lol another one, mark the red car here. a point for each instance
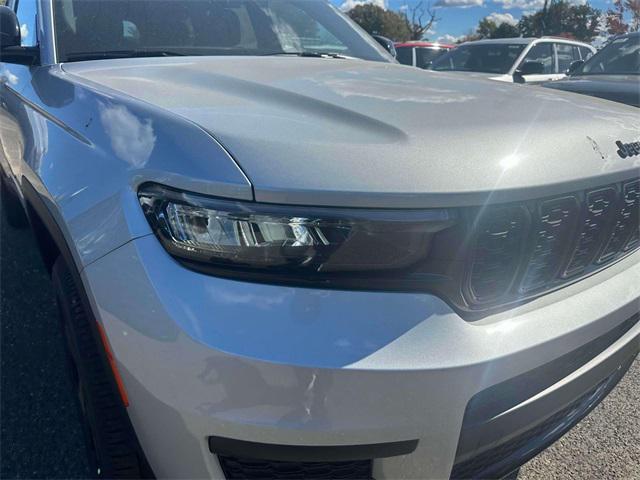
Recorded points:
(420, 54)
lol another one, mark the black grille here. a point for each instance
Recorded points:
(494, 264)
(555, 225)
(244, 468)
(600, 208)
(522, 250)
(624, 236)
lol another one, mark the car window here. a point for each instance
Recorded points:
(487, 58)
(214, 27)
(586, 53)
(26, 12)
(542, 53)
(567, 54)
(620, 57)
(404, 55)
(426, 55)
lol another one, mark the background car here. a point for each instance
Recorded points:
(420, 54)
(518, 60)
(612, 73)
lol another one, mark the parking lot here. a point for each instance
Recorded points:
(42, 435)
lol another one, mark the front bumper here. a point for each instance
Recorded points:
(202, 356)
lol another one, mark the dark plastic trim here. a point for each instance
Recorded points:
(307, 453)
(499, 398)
(493, 463)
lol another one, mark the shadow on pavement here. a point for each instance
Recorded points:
(41, 434)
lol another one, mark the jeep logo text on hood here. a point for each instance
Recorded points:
(628, 149)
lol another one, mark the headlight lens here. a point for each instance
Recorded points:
(317, 241)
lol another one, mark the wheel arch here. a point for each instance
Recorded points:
(49, 237)
(53, 245)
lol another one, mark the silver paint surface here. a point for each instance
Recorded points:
(324, 367)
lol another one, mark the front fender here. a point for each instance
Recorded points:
(87, 149)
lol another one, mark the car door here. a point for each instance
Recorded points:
(566, 55)
(14, 78)
(586, 53)
(542, 52)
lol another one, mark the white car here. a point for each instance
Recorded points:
(521, 60)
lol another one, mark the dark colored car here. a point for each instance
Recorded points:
(420, 54)
(613, 73)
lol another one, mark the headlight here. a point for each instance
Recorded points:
(320, 243)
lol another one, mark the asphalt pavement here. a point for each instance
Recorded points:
(42, 436)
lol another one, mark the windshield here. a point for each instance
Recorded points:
(404, 55)
(424, 56)
(87, 29)
(486, 58)
(620, 57)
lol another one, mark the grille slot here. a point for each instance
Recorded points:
(556, 223)
(632, 199)
(496, 252)
(625, 231)
(244, 468)
(600, 206)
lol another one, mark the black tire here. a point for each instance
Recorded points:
(113, 449)
(11, 206)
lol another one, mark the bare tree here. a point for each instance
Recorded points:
(543, 22)
(420, 18)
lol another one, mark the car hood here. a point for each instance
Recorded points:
(350, 132)
(619, 88)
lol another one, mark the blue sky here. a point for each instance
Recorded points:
(458, 16)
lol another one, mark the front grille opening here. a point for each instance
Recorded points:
(625, 231)
(552, 236)
(600, 207)
(237, 468)
(496, 253)
(522, 250)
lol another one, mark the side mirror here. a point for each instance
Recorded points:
(527, 68)
(10, 49)
(575, 66)
(532, 68)
(386, 44)
(9, 28)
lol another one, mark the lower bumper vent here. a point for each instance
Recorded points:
(244, 468)
(501, 460)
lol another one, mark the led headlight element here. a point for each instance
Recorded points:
(244, 235)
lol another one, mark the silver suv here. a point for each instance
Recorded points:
(279, 254)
